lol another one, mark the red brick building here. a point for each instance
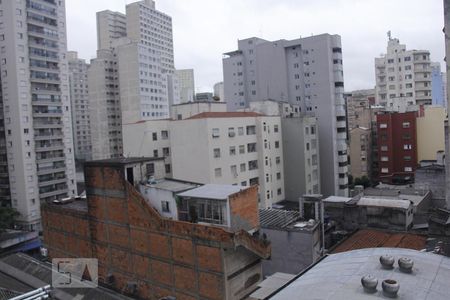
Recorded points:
(145, 255)
(397, 147)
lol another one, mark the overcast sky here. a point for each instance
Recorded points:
(204, 29)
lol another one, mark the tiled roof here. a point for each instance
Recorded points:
(228, 114)
(370, 238)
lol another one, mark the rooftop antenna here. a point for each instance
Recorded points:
(389, 35)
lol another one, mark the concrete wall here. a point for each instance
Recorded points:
(292, 250)
(184, 111)
(430, 133)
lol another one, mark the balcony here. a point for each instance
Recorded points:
(44, 137)
(341, 136)
(342, 158)
(53, 193)
(341, 124)
(51, 182)
(48, 114)
(51, 147)
(50, 170)
(343, 170)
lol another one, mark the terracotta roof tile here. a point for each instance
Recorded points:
(371, 238)
(228, 114)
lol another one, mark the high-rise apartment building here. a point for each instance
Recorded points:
(79, 99)
(111, 25)
(133, 78)
(307, 72)
(36, 106)
(438, 84)
(403, 77)
(186, 84)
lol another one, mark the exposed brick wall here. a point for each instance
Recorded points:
(244, 209)
(134, 244)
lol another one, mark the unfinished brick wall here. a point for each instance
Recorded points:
(244, 209)
(134, 244)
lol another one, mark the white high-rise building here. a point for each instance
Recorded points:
(219, 92)
(79, 100)
(35, 106)
(111, 25)
(139, 82)
(187, 85)
(403, 77)
(306, 72)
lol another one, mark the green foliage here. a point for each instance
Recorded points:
(364, 181)
(7, 217)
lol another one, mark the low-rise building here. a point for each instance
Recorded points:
(144, 255)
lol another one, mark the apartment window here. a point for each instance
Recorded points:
(407, 67)
(240, 130)
(215, 133)
(254, 181)
(406, 124)
(232, 150)
(267, 177)
(277, 144)
(150, 168)
(216, 152)
(241, 149)
(407, 147)
(277, 160)
(231, 132)
(391, 78)
(407, 158)
(165, 206)
(268, 194)
(408, 169)
(384, 170)
(233, 170)
(383, 125)
(408, 85)
(166, 151)
(406, 136)
(218, 172)
(155, 153)
(244, 183)
(154, 136)
(251, 147)
(251, 130)
(275, 128)
(307, 146)
(278, 176)
(407, 58)
(384, 148)
(168, 168)
(164, 134)
(390, 61)
(252, 165)
(26, 131)
(384, 158)
(313, 130)
(242, 167)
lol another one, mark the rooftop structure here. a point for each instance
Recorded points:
(338, 277)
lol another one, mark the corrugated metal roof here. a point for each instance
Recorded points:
(277, 218)
(213, 191)
(337, 199)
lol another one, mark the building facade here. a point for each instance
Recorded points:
(360, 108)
(219, 91)
(403, 77)
(306, 72)
(111, 25)
(36, 107)
(186, 85)
(79, 99)
(397, 147)
(430, 132)
(438, 91)
(360, 145)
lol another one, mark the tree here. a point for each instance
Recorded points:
(7, 218)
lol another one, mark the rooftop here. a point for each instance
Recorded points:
(371, 238)
(337, 199)
(228, 114)
(338, 276)
(213, 191)
(368, 201)
(173, 185)
(121, 161)
(277, 218)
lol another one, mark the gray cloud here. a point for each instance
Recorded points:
(204, 29)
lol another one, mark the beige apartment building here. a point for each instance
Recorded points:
(430, 132)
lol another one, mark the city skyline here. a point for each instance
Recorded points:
(234, 20)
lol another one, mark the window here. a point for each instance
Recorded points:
(384, 170)
(407, 58)
(407, 158)
(307, 146)
(277, 144)
(155, 153)
(154, 136)
(232, 150)
(278, 176)
(268, 194)
(216, 152)
(251, 130)
(168, 168)
(241, 149)
(242, 167)
(166, 151)
(231, 132)
(384, 148)
(383, 125)
(406, 136)
(164, 134)
(313, 130)
(233, 170)
(218, 172)
(390, 61)
(384, 158)
(406, 124)
(408, 169)
(244, 183)
(251, 147)
(150, 169)
(407, 147)
(275, 128)
(254, 181)
(215, 133)
(277, 160)
(253, 165)
(165, 206)
(240, 130)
